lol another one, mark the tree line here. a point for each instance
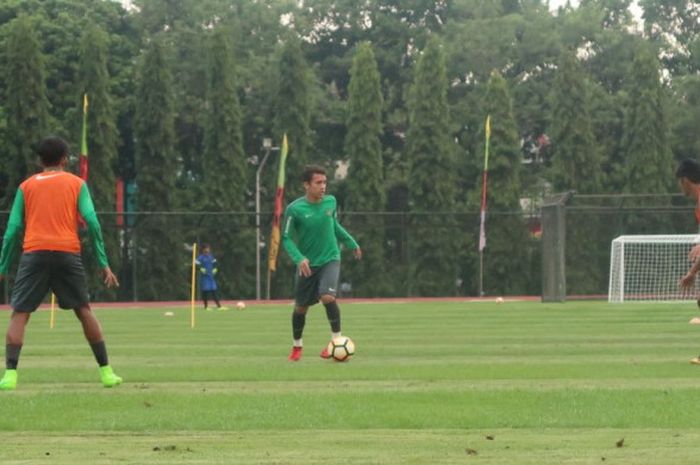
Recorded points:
(592, 99)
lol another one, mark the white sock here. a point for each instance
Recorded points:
(334, 335)
(298, 343)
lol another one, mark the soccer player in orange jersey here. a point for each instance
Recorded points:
(688, 174)
(47, 207)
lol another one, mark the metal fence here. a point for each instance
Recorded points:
(579, 230)
(570, 257)
(232, 236)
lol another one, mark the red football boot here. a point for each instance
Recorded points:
(325, 354)
(295, 354)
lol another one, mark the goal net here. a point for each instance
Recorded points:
(649, 268)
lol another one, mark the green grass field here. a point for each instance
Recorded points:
(432, 383)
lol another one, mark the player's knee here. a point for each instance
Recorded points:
(327, 299)
(301, 310)
(82, 312)
(20, 317)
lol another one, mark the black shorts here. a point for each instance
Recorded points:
(323, 281)
(44, 271)
(209, 294)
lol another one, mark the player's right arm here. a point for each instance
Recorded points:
(198, 262)
(288, 234)
(13, 233)
(688, 281)
(694, 253)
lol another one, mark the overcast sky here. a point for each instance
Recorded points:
(636, 10)
(553, 4)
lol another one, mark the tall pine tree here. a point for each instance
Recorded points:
(102, 138)
(157, 251)
(224, 158)
(293, 109)
(504, 162)
(686, 144)
(648, 164)
(576, 165)
(576, 162)
(431, 157)
(26, 102)
(507, 267)
(292, 116)
(365, 181)
(223, 182)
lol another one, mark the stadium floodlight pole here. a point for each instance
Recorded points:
(267, 145)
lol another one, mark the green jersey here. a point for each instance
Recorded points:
(311, 230)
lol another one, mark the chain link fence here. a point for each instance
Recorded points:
(526, 254)
(579, 230)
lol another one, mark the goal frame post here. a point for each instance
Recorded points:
(663, 286)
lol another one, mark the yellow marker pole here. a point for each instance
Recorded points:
(194, 282)
(52, 319)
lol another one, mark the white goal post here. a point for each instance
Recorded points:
(649, 268)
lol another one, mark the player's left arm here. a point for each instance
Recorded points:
(344, 236)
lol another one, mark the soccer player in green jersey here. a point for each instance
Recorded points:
(310, 237)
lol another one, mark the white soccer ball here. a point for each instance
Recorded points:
(499, 300)
(341, 348)
(240, 305)
(168, 314)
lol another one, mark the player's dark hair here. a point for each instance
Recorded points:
(689, 169)
(310, 170)
(52, 150)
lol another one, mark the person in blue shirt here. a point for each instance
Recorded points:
(208, 268)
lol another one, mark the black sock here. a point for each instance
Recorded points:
(216, 299)
(298, 322)
(12, 356)
(333, 314)
(206, 303)
(100, 351)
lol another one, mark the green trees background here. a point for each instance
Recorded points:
(365, 187)
(390, 96)
(430, 154)
(25, 104)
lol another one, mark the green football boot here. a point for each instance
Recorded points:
(9, 381)
(108, 378)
